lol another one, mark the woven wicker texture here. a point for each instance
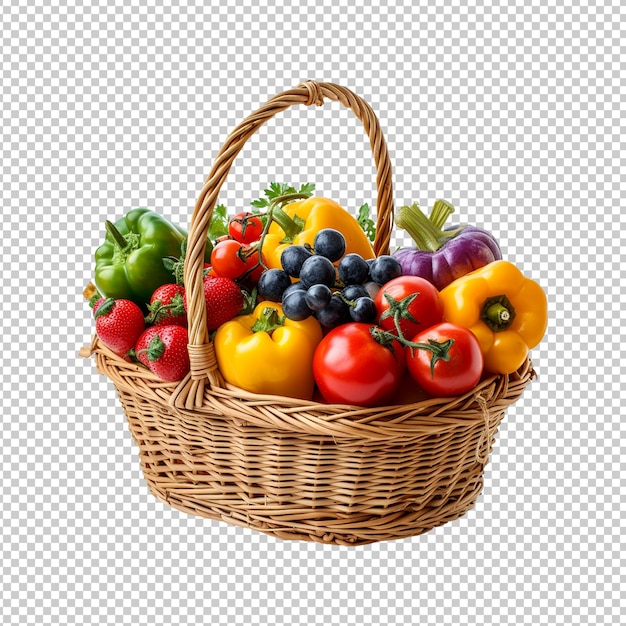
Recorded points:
(296, 469)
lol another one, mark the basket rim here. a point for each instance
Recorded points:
(491, 396)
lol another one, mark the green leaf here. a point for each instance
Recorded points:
(278, 189)
(218, 227)
(367, 224)
(275, 190)
(249, 301)
(177, 265)
(169, 262)
(308, 189)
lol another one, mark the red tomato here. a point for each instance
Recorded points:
(232, 259)
(351, 366)
(245, 227)
(452, 366)
(411, 302)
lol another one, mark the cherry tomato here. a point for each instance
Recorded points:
(452, 366)
(232, 259)
(410, 302)
(353, 364)
(245, 227)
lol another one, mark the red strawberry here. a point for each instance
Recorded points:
(224, 300)
(163, 349)
(118, 324)
(167, 306)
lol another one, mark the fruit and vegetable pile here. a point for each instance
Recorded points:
(298, 305)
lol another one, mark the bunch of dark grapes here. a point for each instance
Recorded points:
(333, 294)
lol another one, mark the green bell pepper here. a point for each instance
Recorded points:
(129, 264)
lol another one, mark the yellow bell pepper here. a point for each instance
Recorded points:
(313, 214)
(506, 311)
(264, 352)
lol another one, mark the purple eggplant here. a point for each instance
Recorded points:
(442, 255)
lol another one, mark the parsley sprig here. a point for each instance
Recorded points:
(278, 190)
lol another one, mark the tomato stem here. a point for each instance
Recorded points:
(245, 220)
(399, 310)
(440, 350)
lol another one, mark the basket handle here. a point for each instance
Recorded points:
(201, 352)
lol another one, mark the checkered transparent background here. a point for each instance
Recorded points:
(510, 110)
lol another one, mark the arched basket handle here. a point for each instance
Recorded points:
(201, 353)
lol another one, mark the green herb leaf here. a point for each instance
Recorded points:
(367, 224)
(261, 203)
(276, 190)
(218, 227)
(249, 301)
(307, 188)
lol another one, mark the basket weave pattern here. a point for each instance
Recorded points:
(297, 469)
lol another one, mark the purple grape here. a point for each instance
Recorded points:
(364, 310)
(353, 269)
(334, 314)
(330, 243)
(295, 306)
(385, 268)
(318, 296)
(272, 284)
(318, 270)
(292, 259)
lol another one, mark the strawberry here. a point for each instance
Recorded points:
(118, 324)
(163, 349)
(167, 306)
(224, 300)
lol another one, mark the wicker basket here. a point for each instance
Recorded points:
(297, 469)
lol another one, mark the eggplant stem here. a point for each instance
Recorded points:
(427, 232)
